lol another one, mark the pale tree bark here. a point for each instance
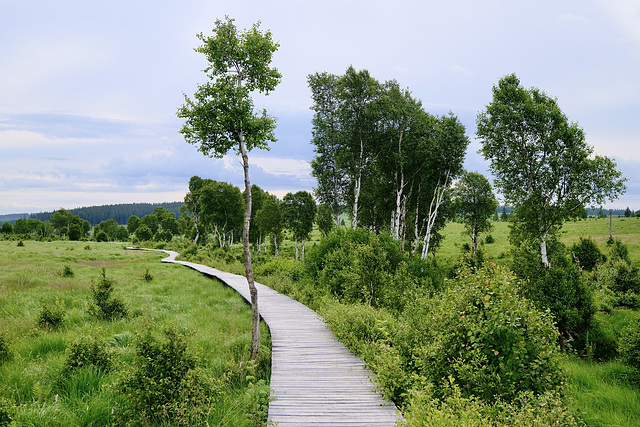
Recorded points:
(543, 252)
(275, 244)
(436, 201)
(397, 213)
(356, 190)
(255, 314)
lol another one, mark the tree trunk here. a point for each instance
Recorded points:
(296, 239)
(543, 252)
(474, 238)
(356, 190)
(195, 224)
(436, 201)
(302, 250)
(255, 319)
(275, 244)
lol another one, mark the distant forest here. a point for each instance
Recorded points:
(120, 212)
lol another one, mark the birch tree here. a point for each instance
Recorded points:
(541, 162)
(221, 116)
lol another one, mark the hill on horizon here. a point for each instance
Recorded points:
(96, 214)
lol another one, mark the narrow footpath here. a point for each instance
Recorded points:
(315, 380)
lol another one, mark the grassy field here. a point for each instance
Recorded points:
(625, 229)
(216, 321)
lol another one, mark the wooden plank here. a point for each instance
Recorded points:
(315, 380)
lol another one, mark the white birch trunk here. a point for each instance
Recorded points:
(436, 201)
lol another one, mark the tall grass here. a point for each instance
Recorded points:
(217, 321)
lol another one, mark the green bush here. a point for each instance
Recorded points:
(7, 412)
(164, 385)
(51, 317)
(454, 409)
(361, 267)
(101, 236)
(489, 239)
(67, 271)
(5, 351)
(587, 253)
(630, 345)
(87, 352)
(104, 306)
(147, 277)
(486, 337)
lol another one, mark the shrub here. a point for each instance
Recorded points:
(630, 345)
(51, 317)
(87, 352)
(453, 410)
(20, 243)
(67, 271)
(489, 239)
(147, 277)
(5, 351)
(104, 305)
(618, 251)
(164, 384)
(486, 337)
(102, 237)
(7, 412)
(360, 267)
(560, 288)
(587, 253)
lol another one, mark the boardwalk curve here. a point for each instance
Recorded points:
(315, 380)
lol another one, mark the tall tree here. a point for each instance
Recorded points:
(299, 213)
(358, 116)
(476, 203)
(270, 220)
(221, 210)
(444, 156)
(327, 139)
(541, 162)
(221, 116)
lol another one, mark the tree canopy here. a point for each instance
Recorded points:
(541, 162)
(221, 115)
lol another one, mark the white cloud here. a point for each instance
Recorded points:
(297, 169)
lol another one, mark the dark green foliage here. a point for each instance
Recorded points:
(143, 233)
(67, 271)
(361, 267)
(5, 352)
(486, 337)
(617, 250)
(587, 254)
(630, 345)
(454, 410)
(101, 236)
(164, 384)
(87, 352)
(627, 278)
(598, 343)
(7, 412)
(20, 243)
(51, 317)
(147, 277)
(104, 306)
(560, 288)
(489, 239)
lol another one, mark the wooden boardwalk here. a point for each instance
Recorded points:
(315, 380)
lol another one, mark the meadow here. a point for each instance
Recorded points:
(213, 323)
(208, 324)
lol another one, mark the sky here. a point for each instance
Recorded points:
(89, 90)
